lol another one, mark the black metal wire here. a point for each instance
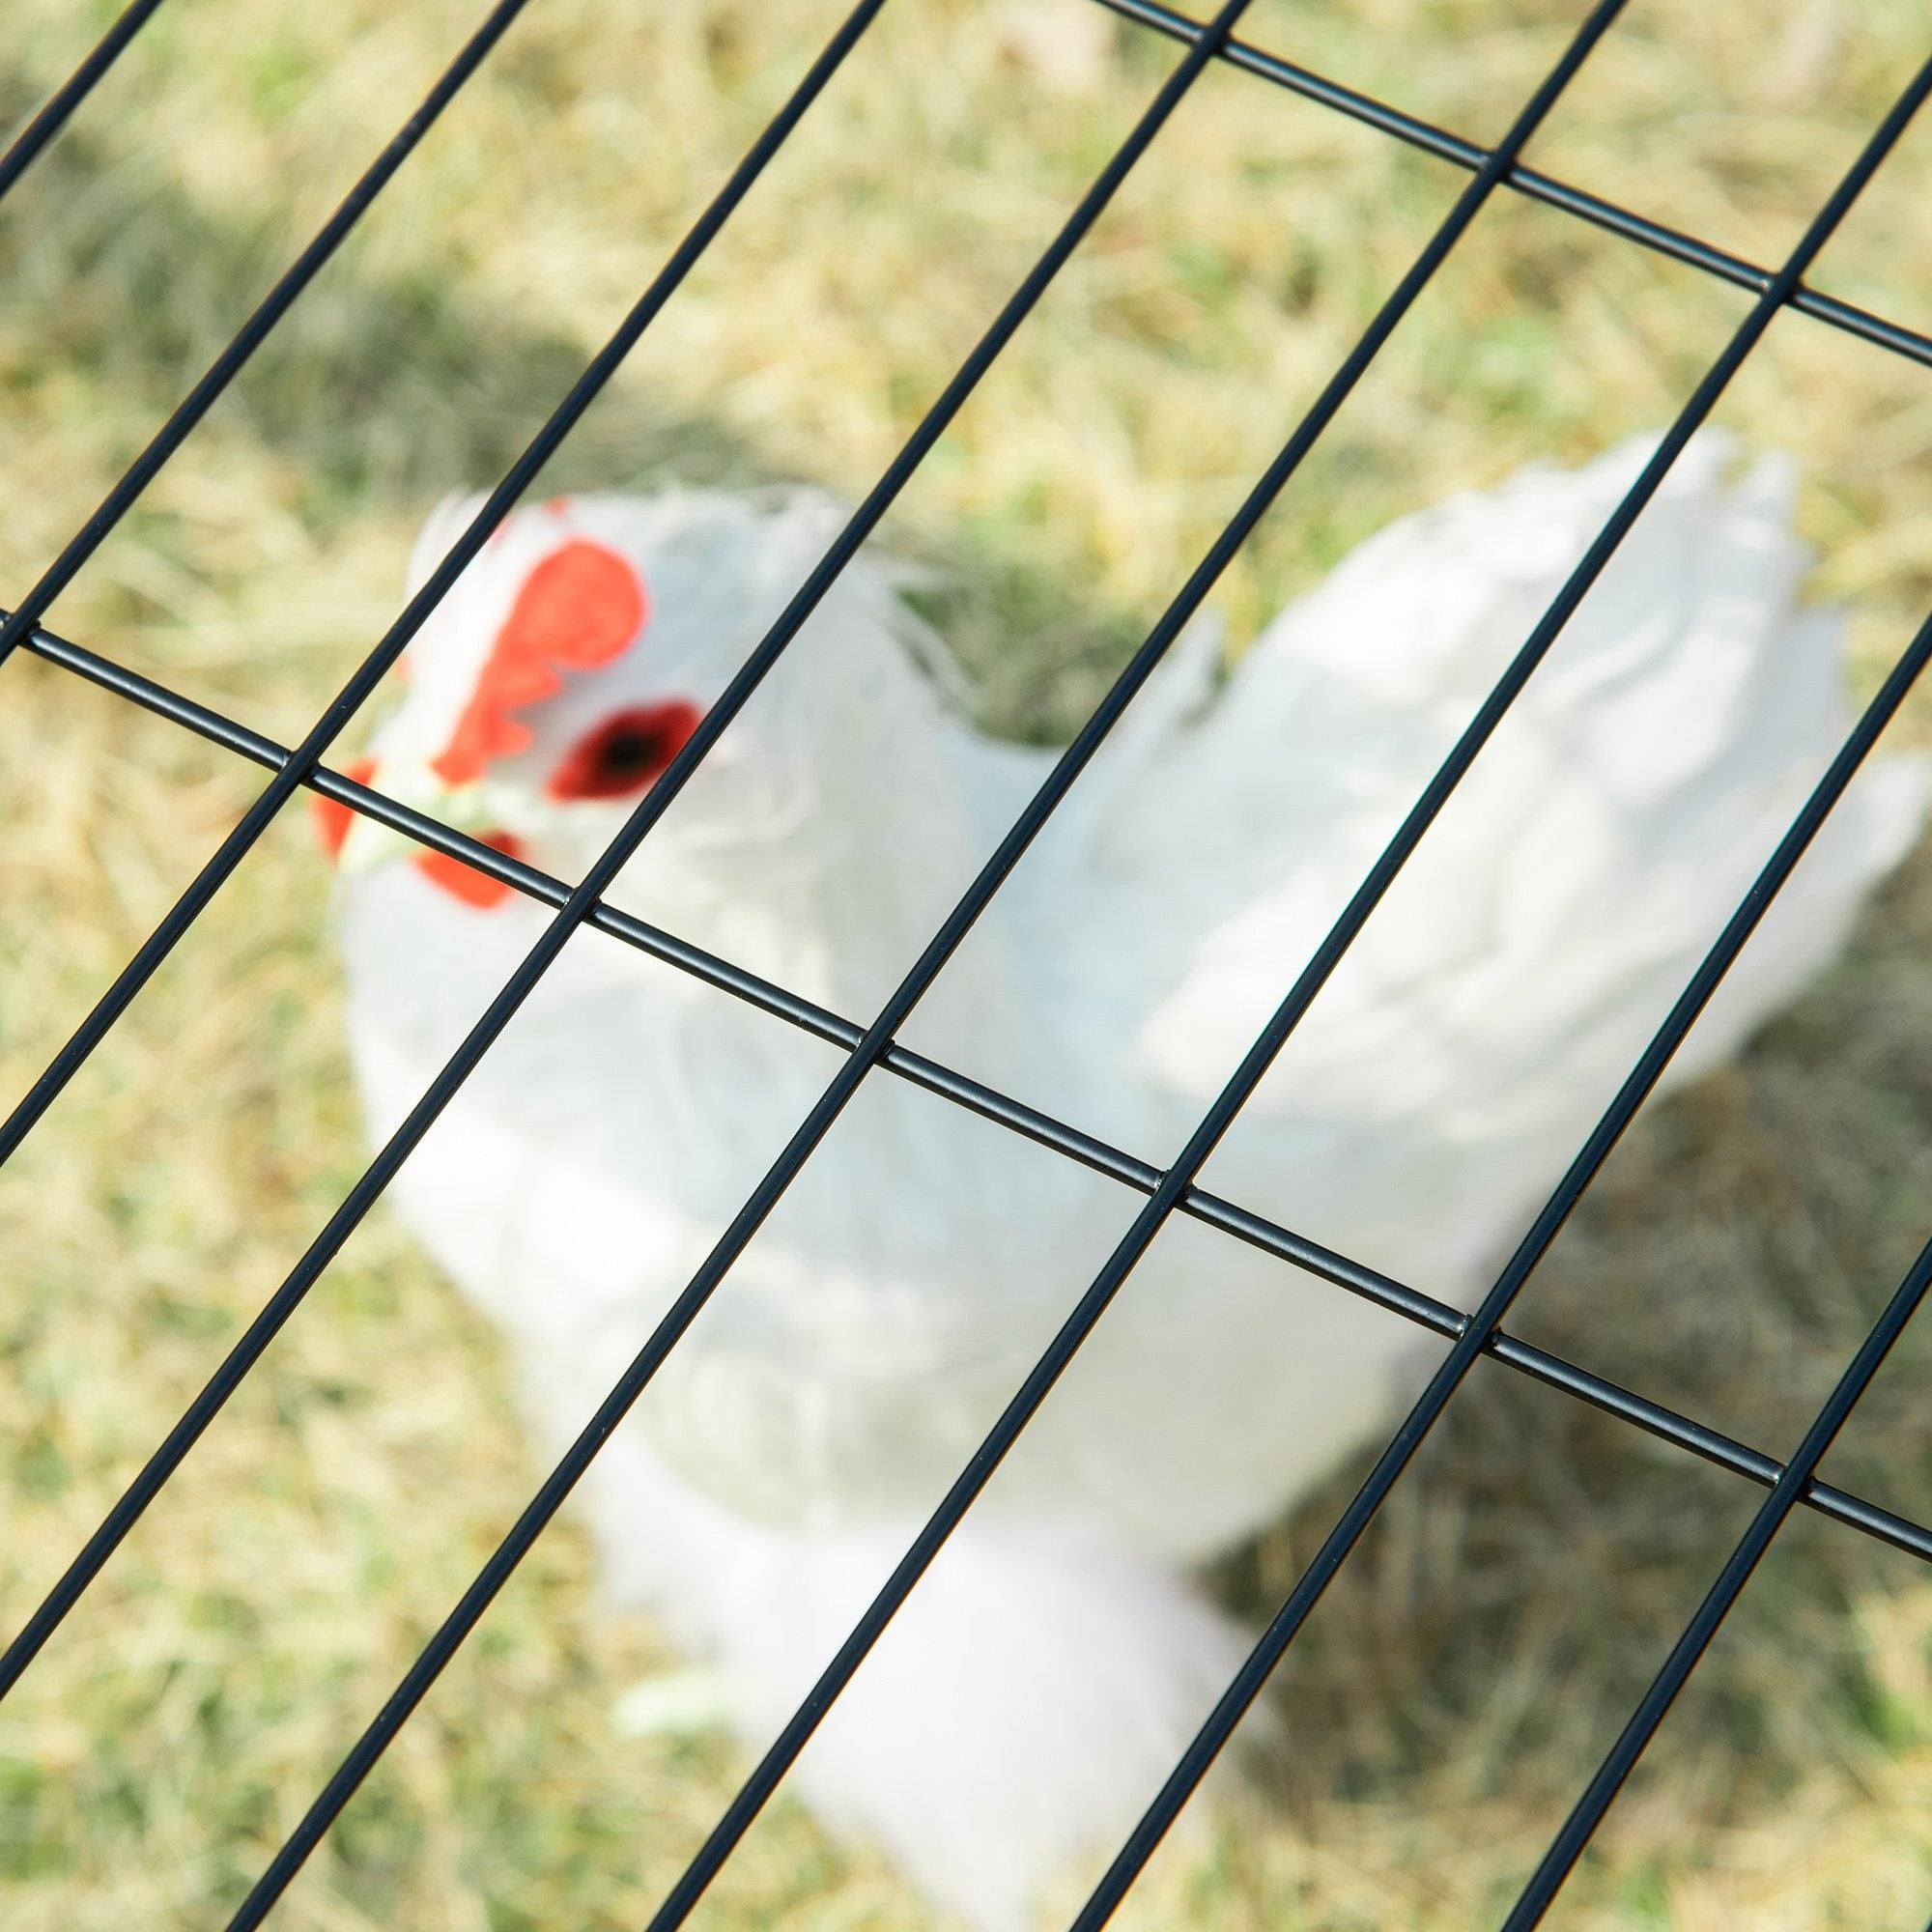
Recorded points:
(80, 84)
(1563, 1853)
(1430, 139)
(684, 1310)
(934, 1077)
(264, 1328)
(1170, 1191)
(1448, 1377)
(610, 1412)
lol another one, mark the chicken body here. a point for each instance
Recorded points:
(1036, 1686)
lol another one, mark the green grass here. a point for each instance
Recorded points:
(1469, 1668)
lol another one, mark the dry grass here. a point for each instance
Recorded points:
(1469, 1669)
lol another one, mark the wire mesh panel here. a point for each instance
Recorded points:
(1246, 541)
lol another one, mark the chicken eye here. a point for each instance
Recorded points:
(626, 754)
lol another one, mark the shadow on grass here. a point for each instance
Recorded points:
(382, 390)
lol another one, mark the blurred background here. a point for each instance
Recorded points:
(1469, 1668)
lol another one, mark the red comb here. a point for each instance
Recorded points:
(581, 606)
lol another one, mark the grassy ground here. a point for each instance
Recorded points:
(1466, 1672)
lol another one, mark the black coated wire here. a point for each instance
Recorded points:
(263, 1329)
(29, 142)
(395, 640)
(1042, 1128)
(1564, 1851)
(173, 432)
(1448, 1377)
(764, 1779)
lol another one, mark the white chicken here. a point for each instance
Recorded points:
(1040, 1680)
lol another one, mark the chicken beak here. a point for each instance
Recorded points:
(362, 843)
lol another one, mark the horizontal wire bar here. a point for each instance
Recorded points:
(1425, 135)
(253, 332)
(80, 84)
(1002, 1109)
(147, 1484)
(1687, 1652)
(1450, 1374)
(989, 1103)
(520, 876)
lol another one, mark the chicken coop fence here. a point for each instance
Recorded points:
(872, 1045)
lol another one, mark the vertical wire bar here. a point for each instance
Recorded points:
(276, 305)
(1477, 1337)
(1583, 1821)
(250, 1347)
(363, 1755)
(495, 507)
(764, 1779)
(41, 1625)
(78, 85)
(877, 1039)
